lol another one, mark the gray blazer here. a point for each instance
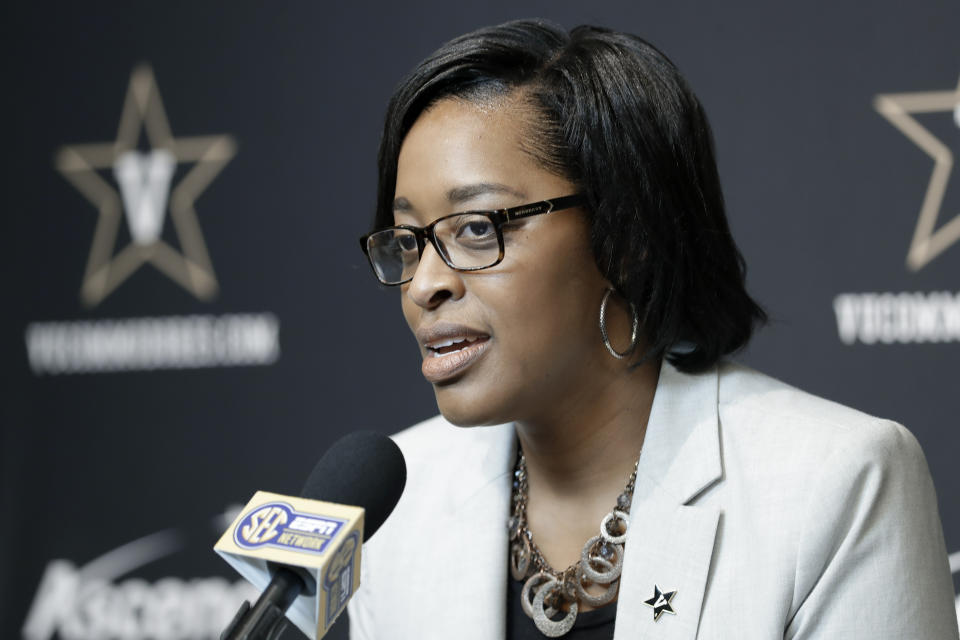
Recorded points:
(773, 513)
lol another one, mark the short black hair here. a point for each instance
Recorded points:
(615, 117)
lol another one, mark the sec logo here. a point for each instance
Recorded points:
(263, 525)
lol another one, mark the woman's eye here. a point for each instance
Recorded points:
(476, 230)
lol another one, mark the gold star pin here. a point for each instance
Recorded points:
(145, 193)
(928, 241)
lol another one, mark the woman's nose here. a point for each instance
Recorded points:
(433, 281)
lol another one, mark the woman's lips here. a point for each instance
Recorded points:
(445, 362)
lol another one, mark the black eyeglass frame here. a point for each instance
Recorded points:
(498, 217)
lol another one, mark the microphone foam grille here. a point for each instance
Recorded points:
(364, 469)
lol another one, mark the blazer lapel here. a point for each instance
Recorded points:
(671, 541)
(472, 545)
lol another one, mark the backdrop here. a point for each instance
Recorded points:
(189, 319)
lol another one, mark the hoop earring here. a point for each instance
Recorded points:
(634, 332)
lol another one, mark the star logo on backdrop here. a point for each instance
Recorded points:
(660, 602)
(144, 193)
(899, 108)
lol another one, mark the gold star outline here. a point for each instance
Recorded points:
(79, 164)
(928, 241)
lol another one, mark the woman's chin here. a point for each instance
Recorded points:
(467, 410)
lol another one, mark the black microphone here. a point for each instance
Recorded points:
(364, 469)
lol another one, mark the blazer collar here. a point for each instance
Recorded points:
(472, 550)
(487, 458)
(681, 449)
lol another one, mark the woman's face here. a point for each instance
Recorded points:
(519, 340)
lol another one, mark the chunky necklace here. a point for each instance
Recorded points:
(548, 592)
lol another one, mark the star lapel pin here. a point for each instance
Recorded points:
(660, 602)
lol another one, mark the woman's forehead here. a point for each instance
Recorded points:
(458, 151)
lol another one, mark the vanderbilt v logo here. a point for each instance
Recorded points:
(144, 180)
(146, 192)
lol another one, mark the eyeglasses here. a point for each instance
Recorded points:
(467, 241)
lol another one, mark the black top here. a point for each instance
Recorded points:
(590, 625)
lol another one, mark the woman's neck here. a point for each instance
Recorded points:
(580, 456)
(591, 433)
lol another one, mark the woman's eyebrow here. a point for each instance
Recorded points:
(459, 195)
(465, 193)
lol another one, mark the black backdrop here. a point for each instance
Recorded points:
(121, 449)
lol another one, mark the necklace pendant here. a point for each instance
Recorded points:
(533, 584)
(619, 521)
(568, 586)
(597, 600)
(520, 556)
(545, 623)
(609, 569)
(513, 527)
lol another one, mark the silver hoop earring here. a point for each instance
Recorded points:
(634, 332)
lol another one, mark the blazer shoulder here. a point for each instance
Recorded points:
(793, 427)
(744, 390)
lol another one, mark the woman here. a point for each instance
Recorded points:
(619, 479)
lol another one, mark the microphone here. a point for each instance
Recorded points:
(305, 552)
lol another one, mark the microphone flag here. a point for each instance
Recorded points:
(323, 539)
